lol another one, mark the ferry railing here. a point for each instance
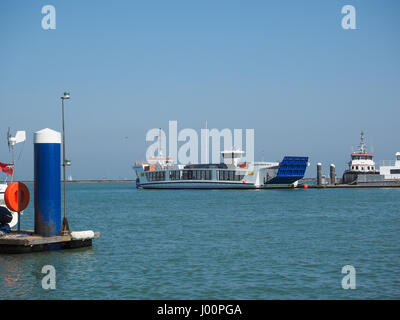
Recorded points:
(387, 163)
(138, 163)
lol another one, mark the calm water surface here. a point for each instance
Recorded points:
(222, 244)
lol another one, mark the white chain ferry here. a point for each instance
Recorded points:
(163, 173)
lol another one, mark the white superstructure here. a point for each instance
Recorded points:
(391, 171)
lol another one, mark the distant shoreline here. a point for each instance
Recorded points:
(91, 181)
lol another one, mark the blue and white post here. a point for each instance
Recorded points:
(47, 173)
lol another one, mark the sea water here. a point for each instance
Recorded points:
(217, 244)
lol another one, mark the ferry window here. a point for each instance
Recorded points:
(155, 176)
(238, 176)
(227, 175)
(205, 175)
(188, 174)
(160, 176)
(398, 158)
(394, 171)
(174, 175)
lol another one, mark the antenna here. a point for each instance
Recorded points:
(362, 143)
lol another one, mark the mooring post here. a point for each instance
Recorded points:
(319, 173)
(47, 167)
(332, 174)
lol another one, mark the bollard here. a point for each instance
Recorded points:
(47, 180)
(332, 174)
(319, 174)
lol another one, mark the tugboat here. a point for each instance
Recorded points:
(362, 164)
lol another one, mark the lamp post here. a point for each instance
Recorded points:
(65, 226)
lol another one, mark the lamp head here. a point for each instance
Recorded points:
(66, 95)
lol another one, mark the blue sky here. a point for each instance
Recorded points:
(284, 68)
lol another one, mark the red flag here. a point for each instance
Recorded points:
(7, 168)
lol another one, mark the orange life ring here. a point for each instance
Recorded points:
(11, 196)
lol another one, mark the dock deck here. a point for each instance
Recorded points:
(26, 241)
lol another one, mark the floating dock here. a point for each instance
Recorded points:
(27, 241)
(49, 233)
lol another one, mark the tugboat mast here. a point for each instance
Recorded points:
(362, 144)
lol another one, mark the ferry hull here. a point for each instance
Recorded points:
(195, 185)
